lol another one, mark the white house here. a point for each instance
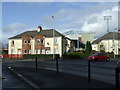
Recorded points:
(40, 42)
(110, 42)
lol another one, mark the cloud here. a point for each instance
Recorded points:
(14, 27)
(89, 19)
(96, 23)
(11, 30)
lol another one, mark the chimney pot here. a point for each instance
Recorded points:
(39, 28)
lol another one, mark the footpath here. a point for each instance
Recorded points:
(43, 78)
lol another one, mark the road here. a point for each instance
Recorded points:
(102, 71)
(11, 80)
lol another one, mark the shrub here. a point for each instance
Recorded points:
(93, 52)
(42, 56)
(103, 51)
(75, 55)
(71, 55)
(88, 47)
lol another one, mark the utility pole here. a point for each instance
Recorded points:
(108, 18)
(53, 37)
(114, 42)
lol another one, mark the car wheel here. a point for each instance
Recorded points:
(107, 59)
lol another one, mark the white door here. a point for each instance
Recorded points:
(19, 51)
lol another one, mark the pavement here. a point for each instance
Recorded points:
(43, 78)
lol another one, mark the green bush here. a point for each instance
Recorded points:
(41, 56)
(103, 51)
(88, 47)
(71, 55)
(117, 56)
(75, 55)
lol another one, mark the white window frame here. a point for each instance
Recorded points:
(25, 41)
(24, 51)
(43, 51)
(38, 41)
(29, 51)
(38, 51)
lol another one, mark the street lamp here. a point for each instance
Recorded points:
(114, 41)
(53, 36)
(108, 18)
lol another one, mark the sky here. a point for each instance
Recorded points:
(18, 17)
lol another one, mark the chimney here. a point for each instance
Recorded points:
(80, 39)
(39, 28)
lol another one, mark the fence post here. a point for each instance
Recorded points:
(89, 72)
(117, 71)
(57, 68)
(36, 63)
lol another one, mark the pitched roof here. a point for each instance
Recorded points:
(110, 35)
(47, 33)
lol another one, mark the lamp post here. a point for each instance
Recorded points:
(53, 37)
(108, 18)
(114, 42)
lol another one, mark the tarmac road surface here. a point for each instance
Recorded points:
(102, 71)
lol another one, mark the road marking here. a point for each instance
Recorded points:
(25, 79)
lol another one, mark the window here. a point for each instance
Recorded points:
(47, 43)
(35, 51)
(42, 41)
(101, 54)
(55, 40)
(29, 41)
(25, 51)
(25, 41)
(38, 41)
(95, 54)
(12, 51)
(47, 51)
(38, 51)
(43, 51)
(12, 43)
(56, 51)
(29, 51)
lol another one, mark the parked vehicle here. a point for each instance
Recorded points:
(99, 57)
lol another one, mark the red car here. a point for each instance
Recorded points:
(99, 57)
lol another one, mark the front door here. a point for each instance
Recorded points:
(19, 51)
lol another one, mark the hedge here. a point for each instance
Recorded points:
(41, 56)
(75, 55)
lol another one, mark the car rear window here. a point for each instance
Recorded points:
(95, 54)
(102, 54)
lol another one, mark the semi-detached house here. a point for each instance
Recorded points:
(109, 42)
(40, 42)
